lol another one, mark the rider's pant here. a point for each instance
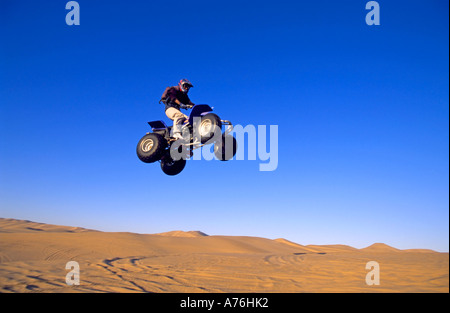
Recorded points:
(177, 117)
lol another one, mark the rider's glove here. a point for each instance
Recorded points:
(184, 106)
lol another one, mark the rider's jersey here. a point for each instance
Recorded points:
(175, 93)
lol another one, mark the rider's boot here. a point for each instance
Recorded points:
(177, 136)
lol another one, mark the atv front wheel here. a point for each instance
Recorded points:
(171, 167)
(151, 148)
(225, 149)
(208, 125)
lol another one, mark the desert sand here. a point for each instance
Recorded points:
(33, 258)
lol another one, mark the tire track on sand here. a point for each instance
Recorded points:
(108, 265)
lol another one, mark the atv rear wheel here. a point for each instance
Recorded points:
(151, 148)
(225, 149)
(208, 125)
(171, 167)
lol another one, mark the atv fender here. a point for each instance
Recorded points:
(199, 110)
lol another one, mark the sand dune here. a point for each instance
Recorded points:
(33, 257)
(179, 233)
(380, 248)
(8, 225)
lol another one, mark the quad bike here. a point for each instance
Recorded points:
(202, 128)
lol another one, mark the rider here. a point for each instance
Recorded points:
(176, 99)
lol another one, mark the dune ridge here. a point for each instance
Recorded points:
(180, 233)
(33, 258)
(10, 225)
(380, 248)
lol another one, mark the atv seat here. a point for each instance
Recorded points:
(159, 127)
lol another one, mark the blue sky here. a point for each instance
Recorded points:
(362, 114)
